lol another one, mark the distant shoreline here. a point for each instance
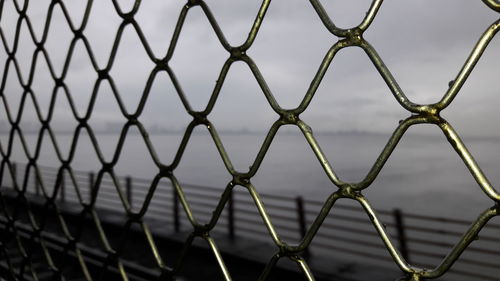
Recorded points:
(262, 133)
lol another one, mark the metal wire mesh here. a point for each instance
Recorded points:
(353, 37)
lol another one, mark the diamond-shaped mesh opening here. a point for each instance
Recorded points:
(290, 26)
(84, 156)
(58, 40)
(158, 28)
(347, 224)
(443, 161)
(131, 69)
(197, 60)
(9, 23)
(105, 120)
(245, 11)
(164, 117)
(271, 173)
(13, 91)
(354, 141)
(25, 50)
(18, 153)
(475, 93)
(81, 79)
(101, 37)
(241, 96)
(214, 175)
(30, 125)
(42, 85)
(80, 82)
(37, 16)
(436, 75)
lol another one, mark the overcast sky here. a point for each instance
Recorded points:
(423, 43)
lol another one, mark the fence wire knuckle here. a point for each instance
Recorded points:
(13, 235)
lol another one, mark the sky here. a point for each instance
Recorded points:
(423, 43)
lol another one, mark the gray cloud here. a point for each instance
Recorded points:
(424, 44)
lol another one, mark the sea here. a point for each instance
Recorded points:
(423, 175)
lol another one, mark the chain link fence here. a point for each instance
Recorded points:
(31, 239)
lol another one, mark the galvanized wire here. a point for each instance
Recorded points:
(352, 37)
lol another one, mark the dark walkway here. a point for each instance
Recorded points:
(245, 258)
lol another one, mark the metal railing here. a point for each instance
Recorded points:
(421, 239)
(241, 180)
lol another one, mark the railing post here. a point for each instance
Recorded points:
(400, 228)
(128, 187)
(14, 174)
(37, 183)
(91, 184)
(230, 216)
(63, 188)
(301, 216)
(177, 221)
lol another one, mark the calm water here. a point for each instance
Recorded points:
(423, 175)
